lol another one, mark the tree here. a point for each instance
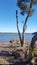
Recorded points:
(26, 8)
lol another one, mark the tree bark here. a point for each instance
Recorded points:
(18, 29)
(24, 28)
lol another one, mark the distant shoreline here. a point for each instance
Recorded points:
(6, 37)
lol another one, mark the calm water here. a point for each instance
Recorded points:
(5, 37)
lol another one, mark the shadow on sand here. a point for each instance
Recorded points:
(16, 56)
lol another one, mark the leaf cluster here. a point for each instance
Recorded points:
(24, 6)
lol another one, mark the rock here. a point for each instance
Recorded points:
(14, 41)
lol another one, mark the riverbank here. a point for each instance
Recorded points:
(11, 52)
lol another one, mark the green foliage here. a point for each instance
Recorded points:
(24, 5)
(34, 1)
(30, 10)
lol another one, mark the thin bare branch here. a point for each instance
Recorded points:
(17, 25)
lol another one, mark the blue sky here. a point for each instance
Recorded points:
(8, 18)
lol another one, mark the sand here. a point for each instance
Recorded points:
(10, 53)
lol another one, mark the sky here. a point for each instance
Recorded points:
(8, 17)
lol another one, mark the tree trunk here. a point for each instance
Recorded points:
(21, 41)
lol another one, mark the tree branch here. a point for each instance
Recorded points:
(26, 21)
(17, 25)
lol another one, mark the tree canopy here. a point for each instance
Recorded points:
(26, 6)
